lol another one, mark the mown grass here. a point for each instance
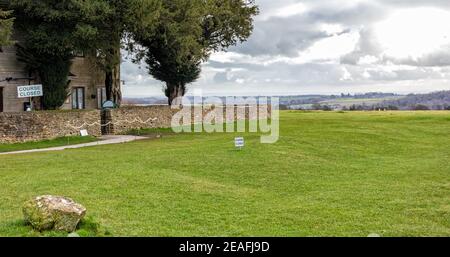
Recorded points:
(150, 132)
(330, 174)
(62, 141)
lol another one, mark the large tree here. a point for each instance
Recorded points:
(6, 26)
(54, 29)
(110, 28)
(173, 53)
(51, 32)
(187, 33)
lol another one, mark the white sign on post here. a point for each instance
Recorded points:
(239, 142)
(84, 133)
(29, 91)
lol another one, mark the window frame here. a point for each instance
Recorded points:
(101, 97)
(76, 98)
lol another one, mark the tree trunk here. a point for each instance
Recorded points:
(175, 94)
(112, 80)
(116, 87)
(109, 85)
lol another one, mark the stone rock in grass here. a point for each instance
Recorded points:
(53, 213)
(73, 235)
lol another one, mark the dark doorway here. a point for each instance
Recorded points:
(1, 99)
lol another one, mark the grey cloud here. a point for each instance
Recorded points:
(414, 3)
(287, 36)
(236, 65)
(282, 36)
(367, 46)
(380, 74)
(438, 58)
(222, 77)
(359, 14)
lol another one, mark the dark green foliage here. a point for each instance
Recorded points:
(177, 36)
(52, 71)
(6, 25)
(53, 75)
(112, 23)
(31, 60)
(392, 108)
(54, 29)
(226, 23)
(173, 53)
(187, 33)
(421, 107)
(51, 31)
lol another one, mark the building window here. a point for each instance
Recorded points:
(101, 96)
(78, 98)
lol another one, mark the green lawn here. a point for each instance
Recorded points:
(62, 141)
(330, 174)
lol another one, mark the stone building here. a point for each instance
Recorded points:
(86, 88)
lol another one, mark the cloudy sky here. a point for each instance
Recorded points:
(328, 47)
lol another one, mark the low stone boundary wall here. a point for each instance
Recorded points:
(126, 119)
(35, 126)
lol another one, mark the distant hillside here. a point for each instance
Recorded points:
(145, 101)
(335, 102)
(433, 101)
(367, 101)
(373, 101)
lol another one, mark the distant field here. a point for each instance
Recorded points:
(352, 101)
(331, 174)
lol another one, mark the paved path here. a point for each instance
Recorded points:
(106, 140)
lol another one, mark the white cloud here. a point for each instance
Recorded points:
(414, 32)
(270, 9)
(291, 10)
(346, 75)
(329, 49)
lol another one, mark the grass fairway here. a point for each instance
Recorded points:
(330, 174)
(62, 141)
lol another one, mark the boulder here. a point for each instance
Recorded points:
(53, 213)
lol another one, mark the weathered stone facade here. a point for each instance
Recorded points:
(85, 74)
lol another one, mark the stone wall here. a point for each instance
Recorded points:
(34, 126)
(126, 119)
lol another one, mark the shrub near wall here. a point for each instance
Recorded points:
(35, 126)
